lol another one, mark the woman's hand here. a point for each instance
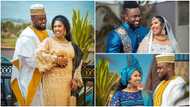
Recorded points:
(62, 61)
(74, 85)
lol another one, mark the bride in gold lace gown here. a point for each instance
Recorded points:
(60, 62)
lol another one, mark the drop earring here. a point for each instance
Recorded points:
(64, 34)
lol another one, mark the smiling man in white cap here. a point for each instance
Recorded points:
(25, 80)
(170, 89)
(38, 16)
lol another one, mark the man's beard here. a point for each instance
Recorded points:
(133, 27)
(164, 77)
(39, 27)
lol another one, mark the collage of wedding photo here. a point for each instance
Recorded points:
(95, 53)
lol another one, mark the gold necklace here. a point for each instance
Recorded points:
(161, 38)
(63, 40)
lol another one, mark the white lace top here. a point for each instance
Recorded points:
(158, 48)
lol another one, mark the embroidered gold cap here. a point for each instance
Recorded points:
(37, 9)
(170, 58)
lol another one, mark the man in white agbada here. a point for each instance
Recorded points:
(170, 89)
(25, 80)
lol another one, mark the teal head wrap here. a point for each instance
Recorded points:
(126, 74)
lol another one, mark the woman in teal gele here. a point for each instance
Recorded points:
(130, 91)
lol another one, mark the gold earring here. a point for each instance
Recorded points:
(64, 33)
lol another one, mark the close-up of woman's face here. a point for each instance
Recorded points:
(135, 78)
(59, 28)
(156, 26)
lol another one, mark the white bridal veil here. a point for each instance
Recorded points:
(170, 35)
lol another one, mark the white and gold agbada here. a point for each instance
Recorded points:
(168, 91)
(25, 80)
(171, 93)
